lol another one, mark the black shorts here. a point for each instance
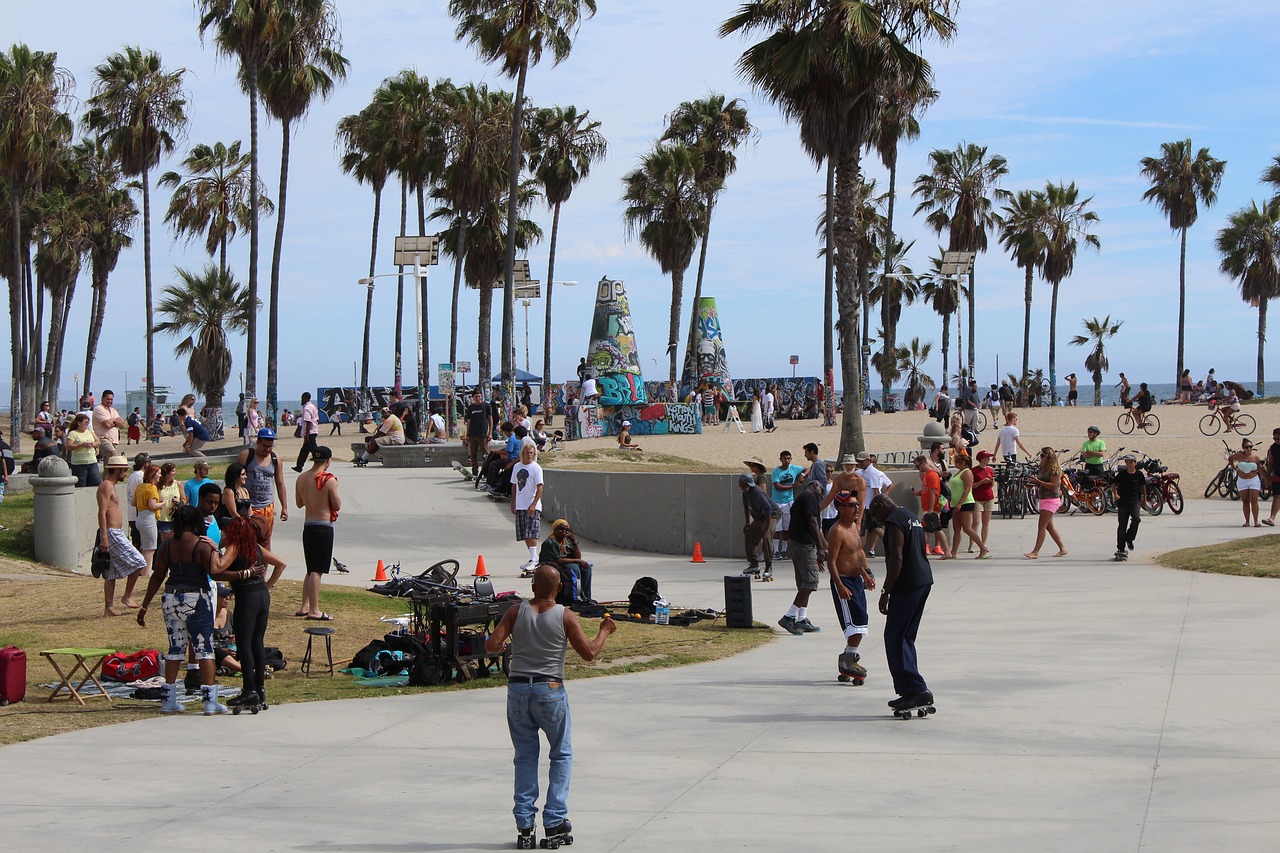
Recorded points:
(1071, 395)
(317, 547)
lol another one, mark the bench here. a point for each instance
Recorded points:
(417, 455)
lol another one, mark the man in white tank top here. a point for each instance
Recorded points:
(540, 630)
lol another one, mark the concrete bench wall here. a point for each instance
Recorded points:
(417, 455)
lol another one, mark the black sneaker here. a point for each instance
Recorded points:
(808, 627)
(1129, 544)
(790, 625)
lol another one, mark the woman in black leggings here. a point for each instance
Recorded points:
(243, 562)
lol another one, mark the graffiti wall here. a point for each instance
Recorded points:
(612, 353)
(653, 419)
(706, 363)
(589, 422)
(796, 397)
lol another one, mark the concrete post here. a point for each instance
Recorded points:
(55, 513)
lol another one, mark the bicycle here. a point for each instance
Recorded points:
(1082, 489)
(1162, 488)
(1011, 490)
(1241, 423)
(1126, 423)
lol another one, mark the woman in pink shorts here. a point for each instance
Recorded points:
(1048, 483)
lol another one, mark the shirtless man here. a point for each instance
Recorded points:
(316, 492)
(850, 579)
(126, 561)
(847, 479)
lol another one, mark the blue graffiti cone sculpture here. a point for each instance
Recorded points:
(705, 362)
(612, 354)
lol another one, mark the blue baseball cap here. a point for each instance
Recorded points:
(266, 432)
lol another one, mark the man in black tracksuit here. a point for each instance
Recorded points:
(1127, 486)
(908, 579)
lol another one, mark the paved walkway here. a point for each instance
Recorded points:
(1082, 705)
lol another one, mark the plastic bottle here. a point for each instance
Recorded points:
(662, 612)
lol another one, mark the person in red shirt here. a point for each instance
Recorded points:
(984, 492)
(930, 494)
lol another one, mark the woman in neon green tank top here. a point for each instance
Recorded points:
(963, 508)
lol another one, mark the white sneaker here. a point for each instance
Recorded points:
(529, 566)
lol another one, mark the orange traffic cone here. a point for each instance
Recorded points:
(697, 553)
(480, 572)
(382, 573)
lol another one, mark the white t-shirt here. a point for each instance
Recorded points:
(525, 479)
(131, 486)
(438, 423)
(876, 481)
(768, 403)
(589, 389)
(1007, 440)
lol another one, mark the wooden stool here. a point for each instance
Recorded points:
(312, 633)
(88, 661)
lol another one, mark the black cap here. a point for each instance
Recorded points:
(321, 453)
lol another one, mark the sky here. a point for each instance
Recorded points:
(1065, 92)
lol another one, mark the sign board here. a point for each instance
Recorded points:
(533, 290)
(795, 359)
(521, 274)
(463, 367)
(427, 249)
(445, 380)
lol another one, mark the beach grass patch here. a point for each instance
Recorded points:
(1256, 557)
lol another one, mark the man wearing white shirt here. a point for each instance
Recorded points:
(526, 501)
(309, 420)
(1008, 440)
(877, 484)
(768, 404)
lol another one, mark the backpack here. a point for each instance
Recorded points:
(134, 667)
(644, 592)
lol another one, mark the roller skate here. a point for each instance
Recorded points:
(850, 670)
(554, 836)
(248, 700)
(917, 704)
(767, 575)
(752, 571)
(527, 838)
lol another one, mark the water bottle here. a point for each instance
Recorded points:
(662, 612)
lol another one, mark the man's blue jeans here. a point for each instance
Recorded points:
(532, 708)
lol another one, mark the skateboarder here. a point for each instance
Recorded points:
(907, 581)
(849, 581)
(1127, 488)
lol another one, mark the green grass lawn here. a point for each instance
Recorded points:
(1257, 557)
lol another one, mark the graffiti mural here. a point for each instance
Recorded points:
(711, 366)
(796, 397)
(612, 354)
(327, 399)
(653, 419)
(589, 422)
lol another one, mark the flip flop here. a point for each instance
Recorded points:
(1268, 522)
(986, 556)
(323, 617)
(300, 613)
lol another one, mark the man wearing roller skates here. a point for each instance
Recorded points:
(907, 581)
(757, 527)
(540, 630)
(849, 581)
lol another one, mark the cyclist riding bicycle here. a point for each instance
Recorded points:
(1228, 408)
(1142, 402)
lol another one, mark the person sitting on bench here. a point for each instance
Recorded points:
(561, 549)
(390, 431)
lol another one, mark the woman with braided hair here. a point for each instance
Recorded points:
(244, 562)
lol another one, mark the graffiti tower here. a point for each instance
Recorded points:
(612, 353)
(711, 366)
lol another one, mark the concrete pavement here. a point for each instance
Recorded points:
(1082, 705)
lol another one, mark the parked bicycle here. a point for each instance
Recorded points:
(1127, 423)
(1218, 418)
(1082, 489)
(1223, 483)
(1162, 488)
(1011, 489)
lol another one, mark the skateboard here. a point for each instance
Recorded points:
(851, 672)
(360, 463)
(922, 709)
(526, 573)
(463, 470)
(1121, 556)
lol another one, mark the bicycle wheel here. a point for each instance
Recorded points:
(1094, 501)
(1173, 497)
(1124, 423)
(1209, 425)
(982, 420)
(1245, 424)
(1152, 501)
(1151, 424)
(1212, 489)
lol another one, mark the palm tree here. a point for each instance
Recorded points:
(911, 359)
(896, 287)
(515, 33)
(213, 201)
(957, 194)
(944, 295)
(1179, 183)
(1022, 234)
(825, 66)
(111, 215)
(565, 145)
(32, 125)
(139, 108)
(1067, 221)
(714, 128)
(1097, 333)
(898, 122)
(61, 232)
(1250, 249)
(246, 31)
(305, 62)
(666, 210)
(365, 156)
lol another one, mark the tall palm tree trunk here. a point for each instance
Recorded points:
(146, 278)
(508, 285)
(673, 333)
(828, 300)
(972, 315)
(47, 381)
(546, 323)
(484, 331)
(273, 309)
(404, 224)
(851, 438)
(15, 319)
(1026, 320)
(1262, 340)
(1182, 306)
(97, 312)
(251, 332)
(460, 256)
(424, 334)
(1053, 345)
(690, 350)
(946, 344)
(368, 301)
(888, 316)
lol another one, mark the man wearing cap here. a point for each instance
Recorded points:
(1093, 451)
(107, 424)
(561, 549)
(850, 579)
(140, 463)
(126, 561)
(265, 481)
(808, 556)
(44, 446)
(757, 525)
(624, 437)
(191, 488)
(1127, 486)
(877, 484)
(817, 470)
(316, 493)
(785, 478)
(908, 579)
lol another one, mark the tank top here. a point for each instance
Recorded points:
(957, 490)
(184, 574)
(538, 645)
(1246, 469)
(261, 481)
(915, 565)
